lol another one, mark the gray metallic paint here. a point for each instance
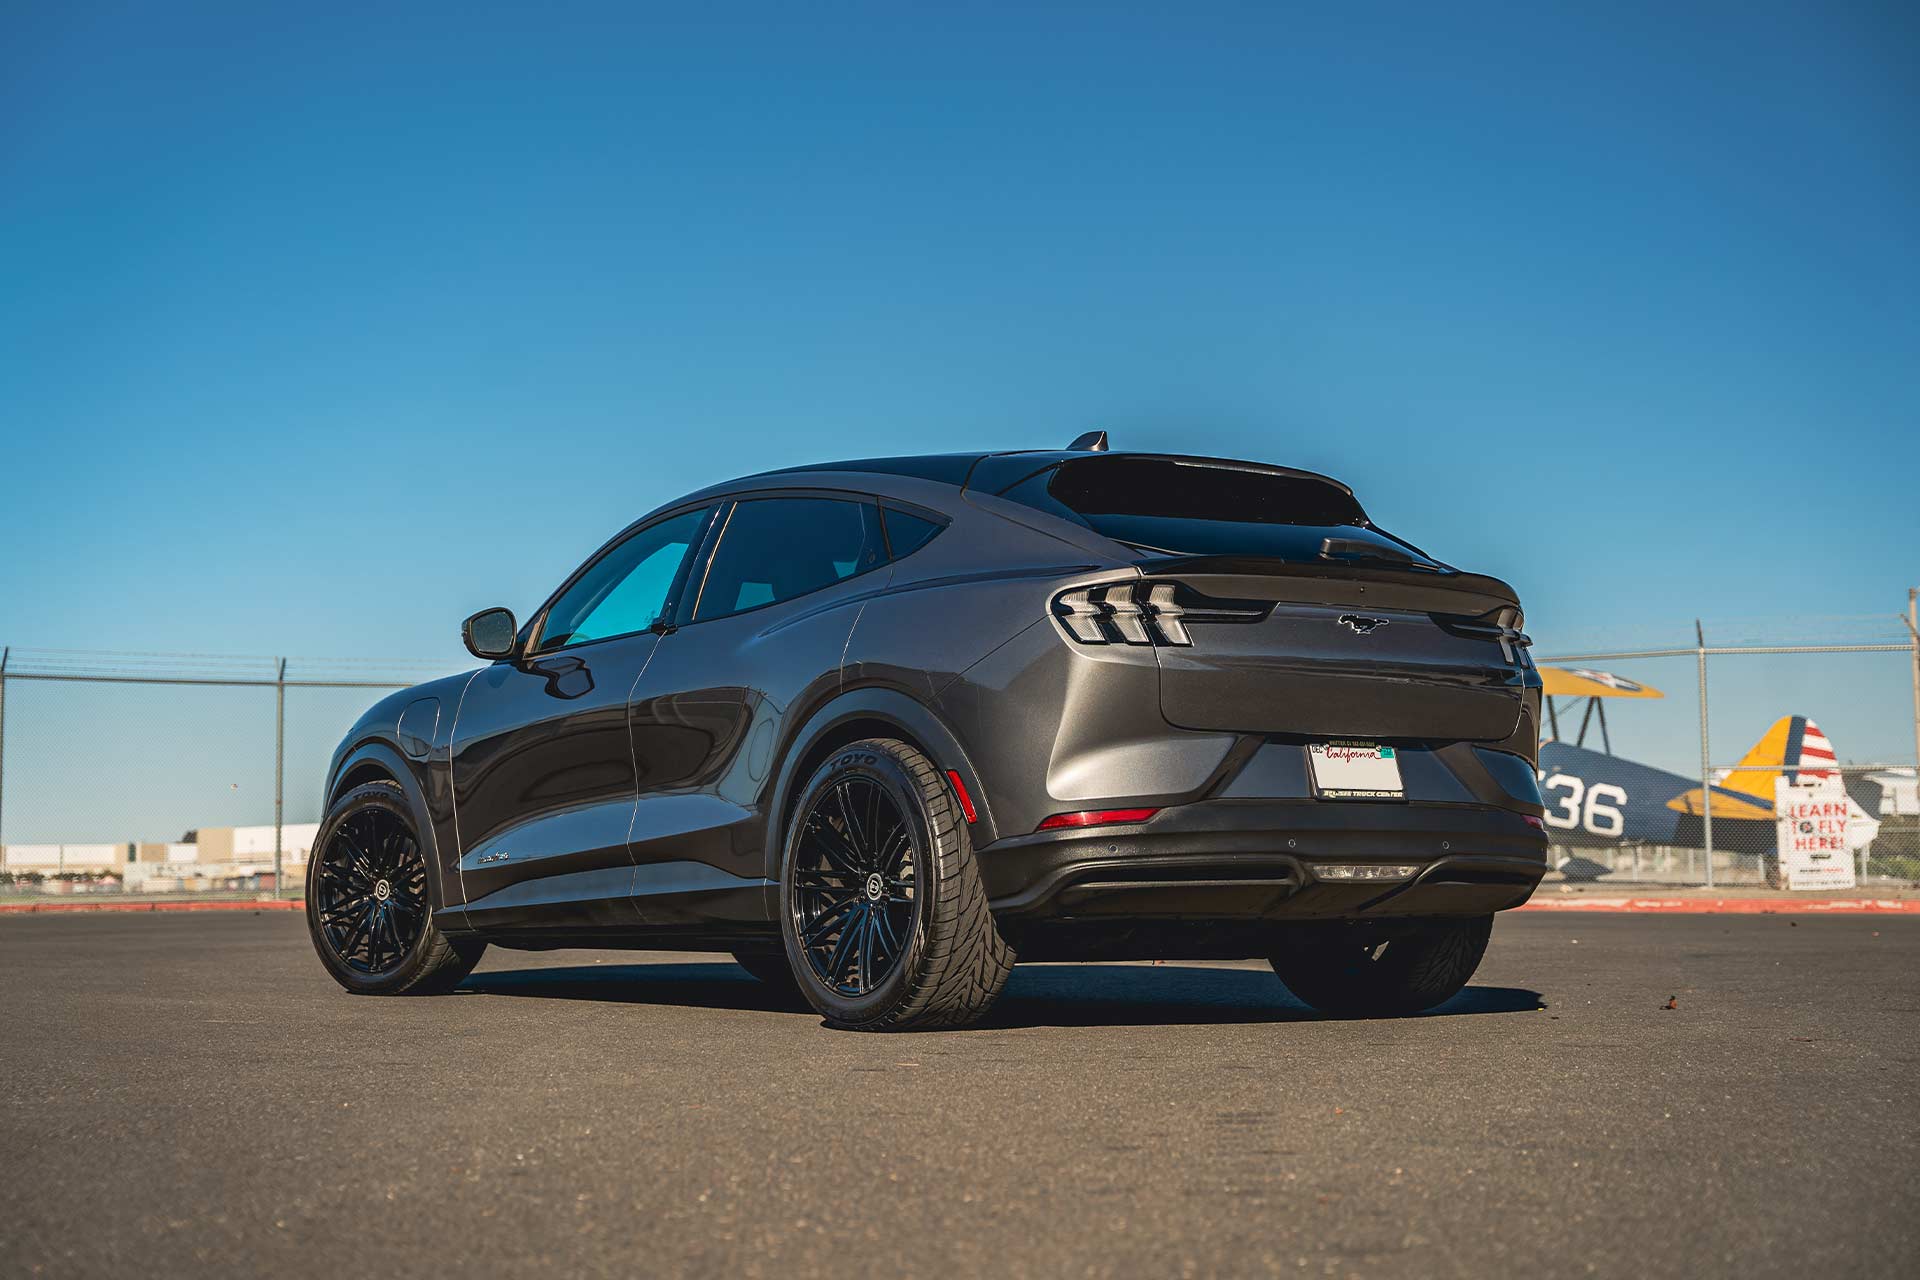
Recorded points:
(638, 785)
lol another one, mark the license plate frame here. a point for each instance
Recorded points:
(1350, 769)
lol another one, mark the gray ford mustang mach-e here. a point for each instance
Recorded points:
(881, 728)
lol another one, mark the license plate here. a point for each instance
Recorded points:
(1355, 771)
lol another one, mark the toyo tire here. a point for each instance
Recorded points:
(883, 911)
(369, 908)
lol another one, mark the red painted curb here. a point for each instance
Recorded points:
(1732, 906)
(22, 908)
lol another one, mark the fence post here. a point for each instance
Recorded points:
(279, 769)
(1913, 633)
(4, 655)
(1706, 754)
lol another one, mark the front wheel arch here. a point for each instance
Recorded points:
(376, 761)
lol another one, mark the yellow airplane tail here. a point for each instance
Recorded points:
(1792, 748)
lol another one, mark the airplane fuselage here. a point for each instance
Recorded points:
(1597, 799)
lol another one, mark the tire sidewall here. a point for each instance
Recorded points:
(374, 795)
(879, 763)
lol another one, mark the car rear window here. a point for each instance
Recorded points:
(1176, 507)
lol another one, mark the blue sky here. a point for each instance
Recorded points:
(320, 329)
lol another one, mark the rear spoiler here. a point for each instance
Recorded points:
(997, 472)
(1445, 583)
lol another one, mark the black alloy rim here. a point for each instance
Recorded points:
(372, 900)
(854, 890)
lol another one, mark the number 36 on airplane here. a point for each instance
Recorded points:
(1574, 805)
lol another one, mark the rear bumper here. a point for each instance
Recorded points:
(1247, 863)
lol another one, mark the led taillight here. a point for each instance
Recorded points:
(1081, 616)
(1095, 818)
(1125, 616)
(1167, 615)
(1138, 612)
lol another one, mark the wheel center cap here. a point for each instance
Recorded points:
(876, 887)
(382, 890)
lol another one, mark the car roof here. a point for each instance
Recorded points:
(994, 472)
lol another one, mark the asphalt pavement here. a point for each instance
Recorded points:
(190, 1095)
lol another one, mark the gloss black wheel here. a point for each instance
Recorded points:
(853, 887)
(370, 900)
(886, 925)
(372, 891)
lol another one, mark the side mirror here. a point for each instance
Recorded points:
(490, 634)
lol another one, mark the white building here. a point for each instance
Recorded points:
(1899, 791)
(253, 846)
(52, 859)
(214, 851)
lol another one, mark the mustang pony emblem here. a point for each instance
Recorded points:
(1361, 625)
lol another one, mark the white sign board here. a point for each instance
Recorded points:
(1813, 815)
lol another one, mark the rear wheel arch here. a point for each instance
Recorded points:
(858, 714)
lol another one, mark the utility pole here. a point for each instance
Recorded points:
(279, 768)
(4, 655)
(1706, 757)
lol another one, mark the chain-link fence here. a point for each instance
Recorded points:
(136, 775)
(1789, 765)
(127, 776)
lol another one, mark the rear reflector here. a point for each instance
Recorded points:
(1096, 818)
(1534, 822)
(960, 790)
(1364, 870)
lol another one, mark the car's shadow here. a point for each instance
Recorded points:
(1038, 995)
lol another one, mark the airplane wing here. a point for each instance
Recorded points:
(1581, 682)
(1726, 805)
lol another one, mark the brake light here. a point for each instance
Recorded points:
(1150, 613)
(1096, 818)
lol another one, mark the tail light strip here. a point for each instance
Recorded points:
(1142, 613)
(1502, 625)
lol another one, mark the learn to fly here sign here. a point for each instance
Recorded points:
(1812, 815)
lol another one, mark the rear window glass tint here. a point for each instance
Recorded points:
(1181, 508)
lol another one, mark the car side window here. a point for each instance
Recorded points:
(775, 549)
(907, 534)
(626, 590)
